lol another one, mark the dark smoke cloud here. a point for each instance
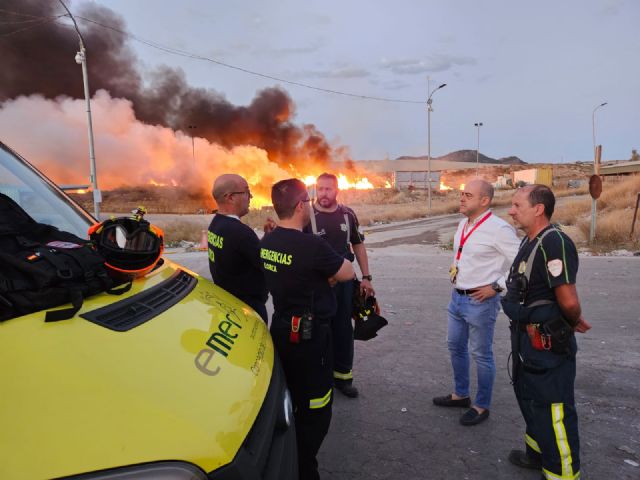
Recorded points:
(39, 58)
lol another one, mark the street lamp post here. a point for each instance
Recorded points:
(429, 110)
(81, 59)
(594, 207)
(478, 125)
(593, 126)
(193, 145)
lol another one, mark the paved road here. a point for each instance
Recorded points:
(392, 431)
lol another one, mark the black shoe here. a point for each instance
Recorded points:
(447, 401)
(473, 417)
(347, 389)
(520, 459)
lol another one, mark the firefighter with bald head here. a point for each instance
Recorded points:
(234, 248)
(299, 269)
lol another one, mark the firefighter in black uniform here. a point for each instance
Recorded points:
(544, 309)
(338, 225)
(299, 270)
(234, 248)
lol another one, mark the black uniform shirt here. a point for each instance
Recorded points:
(333, 228)
(555, 264)
(296, 266)
(234, 259)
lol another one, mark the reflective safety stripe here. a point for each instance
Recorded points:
(557, 417)
(343, 376)
(552, 476)
(322, 401)
(532, 443)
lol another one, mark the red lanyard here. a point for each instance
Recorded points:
(463, 237)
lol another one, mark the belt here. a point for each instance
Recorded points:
(465, 292)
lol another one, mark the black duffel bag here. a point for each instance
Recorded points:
(42, 267)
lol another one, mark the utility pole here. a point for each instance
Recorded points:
(429, 110)
(478, 125)
(81, 59)
(594, 200)
(597, 155)
(193, 145)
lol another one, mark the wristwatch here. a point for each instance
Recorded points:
(367, 277)
(496, 286)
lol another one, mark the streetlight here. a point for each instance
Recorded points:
(193, 146)
(81, 59)
(478, 125)
(429, 110)
(593, 125)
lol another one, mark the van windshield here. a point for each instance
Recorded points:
(38, 196)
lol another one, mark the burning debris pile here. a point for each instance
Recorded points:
(150, 128)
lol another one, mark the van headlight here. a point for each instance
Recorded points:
(286, 411)
(152, 471)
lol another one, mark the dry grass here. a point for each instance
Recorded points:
(615, 213)
(615, 209)
(179, 230)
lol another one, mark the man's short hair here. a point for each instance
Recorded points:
(328, 176)
(285, 195)
(542, 194)
(486, 190)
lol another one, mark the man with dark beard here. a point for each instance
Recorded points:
(338, 225)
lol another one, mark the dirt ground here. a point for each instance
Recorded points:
(393, 431)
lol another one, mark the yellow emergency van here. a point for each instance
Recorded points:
(174, 380)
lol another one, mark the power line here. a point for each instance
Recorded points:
(195, 56)
(33, 23)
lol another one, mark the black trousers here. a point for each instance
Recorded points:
(342, 332)
(307, 367)
(544, 388)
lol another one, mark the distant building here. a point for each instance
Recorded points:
(542, 176)
(621, 168)
(403, 180)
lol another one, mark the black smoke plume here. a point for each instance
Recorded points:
(37, 52)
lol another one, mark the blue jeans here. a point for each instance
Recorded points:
(472, 323)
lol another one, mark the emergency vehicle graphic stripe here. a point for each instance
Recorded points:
(557, 417)
(320, 402)
(532, 443)
(343, 376)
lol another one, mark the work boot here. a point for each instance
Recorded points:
(346, 388)
(520, 459)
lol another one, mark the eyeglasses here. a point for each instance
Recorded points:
(247, 192)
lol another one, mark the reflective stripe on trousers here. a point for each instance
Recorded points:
(343, 376)
(320, 402)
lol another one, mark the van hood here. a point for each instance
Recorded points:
(186, 384)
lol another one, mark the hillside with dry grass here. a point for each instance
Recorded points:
(184, 214)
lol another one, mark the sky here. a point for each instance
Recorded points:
(531, 72)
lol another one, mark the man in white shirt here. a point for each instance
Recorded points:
(481, 246)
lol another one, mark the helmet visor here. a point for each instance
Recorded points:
(140, 240)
